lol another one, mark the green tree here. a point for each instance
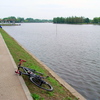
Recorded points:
(29, 20)
(87, 20)
(10, 19)
(71, 20)
(95, 20)
(54, 20)
(19, 20)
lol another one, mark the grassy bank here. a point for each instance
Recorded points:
(59, 93)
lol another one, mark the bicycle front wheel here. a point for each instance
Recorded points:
(41, 84)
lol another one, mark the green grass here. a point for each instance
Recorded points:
(59, 93)
(36, 97)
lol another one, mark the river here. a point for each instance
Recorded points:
(72, 51)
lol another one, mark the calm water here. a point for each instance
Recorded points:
(72, 51)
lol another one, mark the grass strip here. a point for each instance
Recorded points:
(59, 93)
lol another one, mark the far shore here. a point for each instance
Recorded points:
(9, 24)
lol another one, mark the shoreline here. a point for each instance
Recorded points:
(10, 24)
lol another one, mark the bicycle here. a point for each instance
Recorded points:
(34, 76)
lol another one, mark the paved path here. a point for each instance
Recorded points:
(12, 86)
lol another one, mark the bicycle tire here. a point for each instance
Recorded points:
(41, 84)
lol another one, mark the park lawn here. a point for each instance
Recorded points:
(59, 92)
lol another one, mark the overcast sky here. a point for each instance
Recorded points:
(48, 9)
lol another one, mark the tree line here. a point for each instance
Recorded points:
(67, 20)
(76, 20)
(13, 19)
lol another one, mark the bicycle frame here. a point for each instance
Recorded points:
(32, 71)
(19, 65)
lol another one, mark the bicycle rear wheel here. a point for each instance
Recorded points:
(41, 84)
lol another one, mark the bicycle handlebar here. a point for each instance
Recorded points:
(21, 61)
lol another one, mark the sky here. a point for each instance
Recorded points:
(48, 9)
